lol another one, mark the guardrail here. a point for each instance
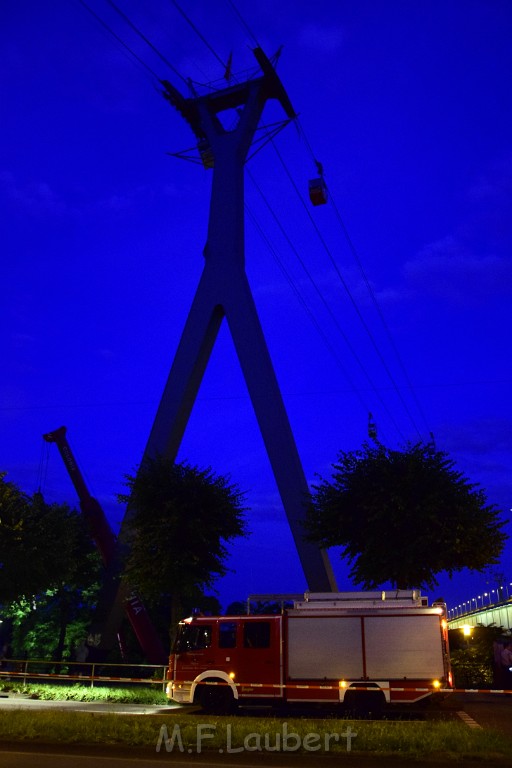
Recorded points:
(82, 672)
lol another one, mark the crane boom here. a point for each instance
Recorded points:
(101, 531)
(106, 542)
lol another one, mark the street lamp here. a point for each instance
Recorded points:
(466, 631)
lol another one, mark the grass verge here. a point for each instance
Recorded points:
(180, 732)
(78, 692)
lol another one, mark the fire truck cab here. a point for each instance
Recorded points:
(353, 648)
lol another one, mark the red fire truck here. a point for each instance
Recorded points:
(361, 649)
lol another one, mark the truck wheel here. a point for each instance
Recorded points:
(217, 700)
(364, 704)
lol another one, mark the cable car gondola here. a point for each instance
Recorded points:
(318, 187)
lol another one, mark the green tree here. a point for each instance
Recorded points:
(180, 521)
(50, 624)
(49, 571)
(403, 516)
(76, 573)
(472, 657)
(20, 572)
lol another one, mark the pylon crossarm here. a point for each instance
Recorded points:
(186, 107)
(232, 97)
(274, 86)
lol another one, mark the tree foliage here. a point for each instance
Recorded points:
(53, 622)
(472, 657)
(49, 571)
(16, 534)
(179, 523)
(403, 516)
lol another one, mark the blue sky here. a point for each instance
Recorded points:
(408, 108)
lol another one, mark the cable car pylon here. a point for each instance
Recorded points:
(224, 291)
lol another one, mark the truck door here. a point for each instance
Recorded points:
(193, 650)
(258, 659)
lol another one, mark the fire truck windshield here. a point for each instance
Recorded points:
(193, 637)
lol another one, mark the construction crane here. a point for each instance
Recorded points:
(106, 543)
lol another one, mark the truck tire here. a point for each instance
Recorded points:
(217, 699)
(364, 704)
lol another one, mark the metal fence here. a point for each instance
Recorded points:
(30, 670)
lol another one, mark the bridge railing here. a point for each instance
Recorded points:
(480, 604)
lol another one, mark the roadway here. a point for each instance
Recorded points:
(24, 757)
(488, 710)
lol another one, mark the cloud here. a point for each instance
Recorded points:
(130, 200)
(490, 201)
(446, 269)
(472, 265)
(20, 339)
(481, 450)
(38, 199)
(35, 197)
(494, 184)
(482, 437)
(115, 203)
(106, 354)
(321, 38)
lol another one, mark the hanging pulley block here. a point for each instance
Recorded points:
(317, 191)
(206, 154)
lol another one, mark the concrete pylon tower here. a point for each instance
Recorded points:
(224, 292)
